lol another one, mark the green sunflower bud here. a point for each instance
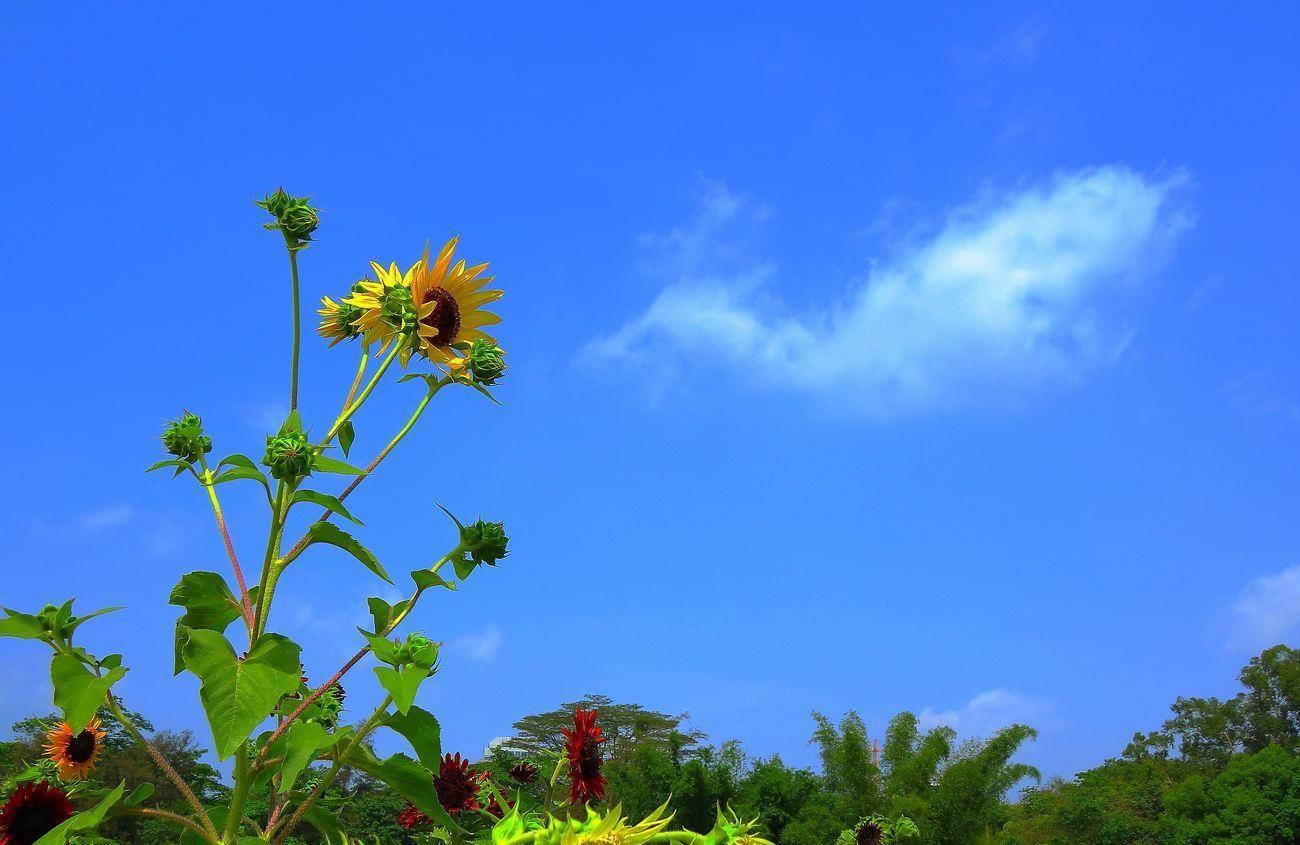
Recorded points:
(487, 362)
(294, 217)
(185, 439)
(417, 650)
(486, 542)
(289, 455)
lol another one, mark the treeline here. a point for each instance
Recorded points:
(1218, 772)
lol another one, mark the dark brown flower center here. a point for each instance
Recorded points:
(869, 834)
(589, 758)
(445, 316)
(82, 747)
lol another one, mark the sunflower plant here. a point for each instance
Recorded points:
(286, 738)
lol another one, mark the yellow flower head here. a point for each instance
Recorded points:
(387, 314)
(338, 320)
(448, 303)
(75, 754)
(610, 828)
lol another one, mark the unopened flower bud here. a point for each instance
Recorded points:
(289, 455)
(486, 361)
(486, 542)
(294, 217)
(185, 439)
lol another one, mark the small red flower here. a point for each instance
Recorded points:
(582, 746)
(524, 773)
(33, 810)
(457, 785)
(412, 817)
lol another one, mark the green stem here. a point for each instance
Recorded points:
(365, 393)
(245, 601)
(243, 781)
(356, 382)
(269, 575)
(164, 766)
(366, 727)
(174, 818)
(297, 327)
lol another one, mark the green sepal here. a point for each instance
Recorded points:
(402, 683)
(326, 501)
(324, 463)
(464, 567)
(238, 694)
(78, 692)
(347, 434)
(85, 820)
(328, 532)
(291, 424)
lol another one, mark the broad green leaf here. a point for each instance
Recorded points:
(85, 820)
(464, 566)
(238, 461)
(421, 729)
(77, 621)
(325, 823)
(239, 473)
(140, 793)
(425, 578)
(324, 463)
(408, 779)
(384, 648)
(23, 626)
(384, 613)
(326, 501)
(238, 694)
(209, 606)
(305, 741)
(402, 683)
(346, 435)
(179, 465)
(78, 692)
(328, 532)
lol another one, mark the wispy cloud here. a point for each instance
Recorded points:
(1262, 392)
(479, 648)
(990, 711)
(106, 517)
(1016, 289)
(1020, 46)
(1268, 610)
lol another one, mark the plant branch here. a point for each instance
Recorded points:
(174, 818)
(164, 766)
(297, 326)
(245, 600)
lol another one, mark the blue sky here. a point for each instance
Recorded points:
(930, 359)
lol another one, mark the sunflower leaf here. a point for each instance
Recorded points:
(238, 694)
(402, 683)
(84, 820)
(305, 741)
(325, 823)
(180, 466)
(237, 460)
(324, 463)
(421, 729)
(328, 532)
(22, 626)
(140, 793)
(408, 779)
(239, 473)
(291, 425)
(325, 501)
(425, 578)
(78, 692)
(209, 606)
(77, 621)
(346, 435)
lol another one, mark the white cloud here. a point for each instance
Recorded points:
(1268, 610)
(106, 517)
(1012, 291)
(989, 711)
(1020, 46)
(481, 647)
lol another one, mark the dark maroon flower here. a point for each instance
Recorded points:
(869, 833)
(457, 785)
(524, 773)
(582, 746)
(411, 818)
(33, 810)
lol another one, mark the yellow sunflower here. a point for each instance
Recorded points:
(75, 754)
(338, 320)
(386, 312)
(448, 304)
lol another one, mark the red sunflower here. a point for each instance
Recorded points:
(582, 746)
(457, 785)
(412, 817)
(33, 810)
